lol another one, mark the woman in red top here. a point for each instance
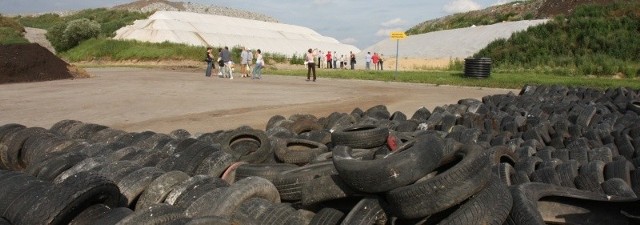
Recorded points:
(375, 59)
(329, 61)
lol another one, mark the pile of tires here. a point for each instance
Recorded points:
(551, 154)
(477, 67)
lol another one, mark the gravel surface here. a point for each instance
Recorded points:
(36, 35)
(161, 101)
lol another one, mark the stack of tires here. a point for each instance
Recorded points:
(551, 154)
(477, 67)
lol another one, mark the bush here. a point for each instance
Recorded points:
(594, 40)
(10, 36)
(66, 36)
(295, 60)
(275, 57)
(11, 23)
(11, 31)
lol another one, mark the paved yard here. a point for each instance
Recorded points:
(135, 99)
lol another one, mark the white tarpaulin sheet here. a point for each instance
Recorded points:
(216, 31)
(457, 43)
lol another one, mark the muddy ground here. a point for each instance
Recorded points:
(136, 99)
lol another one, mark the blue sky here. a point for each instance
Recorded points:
(358, 22)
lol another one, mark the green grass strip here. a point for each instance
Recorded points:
(514, 80)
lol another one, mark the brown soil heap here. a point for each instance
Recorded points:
(31, 63)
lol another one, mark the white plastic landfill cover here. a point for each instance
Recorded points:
(456, 43)
(216, 31)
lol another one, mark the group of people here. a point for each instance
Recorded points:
(376, 59)
(333, 61)
(316, 58)
(227, 66)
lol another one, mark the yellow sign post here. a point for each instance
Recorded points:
(397, 35)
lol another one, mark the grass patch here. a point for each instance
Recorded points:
(500, 79)
(110, 20)
(118, 50)
(11, 36)
(11, 31)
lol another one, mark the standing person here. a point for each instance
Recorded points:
(367, 60)
(320, 59)
(310, 65)
(249, 61)
(381, 61)
(226, 58)
(244, 62)
(220, 63)
(257, 70)
(335, 60)
(342, 62)
(352, 60)
(209, 59)
(375, 59)
(329, 61)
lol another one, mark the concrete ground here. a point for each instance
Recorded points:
(136, 99)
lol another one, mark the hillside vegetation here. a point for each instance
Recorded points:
(11, 31)
(109, 20)
(66, 32)
(593, 40)
(513, 11)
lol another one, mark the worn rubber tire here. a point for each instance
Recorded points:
(411, 162)
(132, 185)
(619, 169)
(153, 215)
(369, 210)
(360, 136)
(326, 188)
(157, 191)
(215, 164)
(490, 206)
(618, 187)
(327, 216)
(298, 151)
(229, 199)
(290, 182)
(465, 178)
(257, 155)
(268, 171)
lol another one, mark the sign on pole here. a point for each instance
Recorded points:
(397, 35)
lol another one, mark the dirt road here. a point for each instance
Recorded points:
(143, 99)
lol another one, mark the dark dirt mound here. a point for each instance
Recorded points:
(31, 63)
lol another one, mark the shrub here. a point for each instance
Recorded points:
(80, 30)
(594, 40)
(295, 60)
(11, 36)
(11, 23)
(66, 36)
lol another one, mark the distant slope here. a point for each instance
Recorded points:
(456, 43)
(514, 11)
(593, 40)
(164, 5)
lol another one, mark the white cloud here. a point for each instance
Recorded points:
(321, 2)
(387, 32)
(350, 41)
(393, 22)
(458, 6)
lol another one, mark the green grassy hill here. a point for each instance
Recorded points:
(513, 11)
(593, 40)
(11, 31)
